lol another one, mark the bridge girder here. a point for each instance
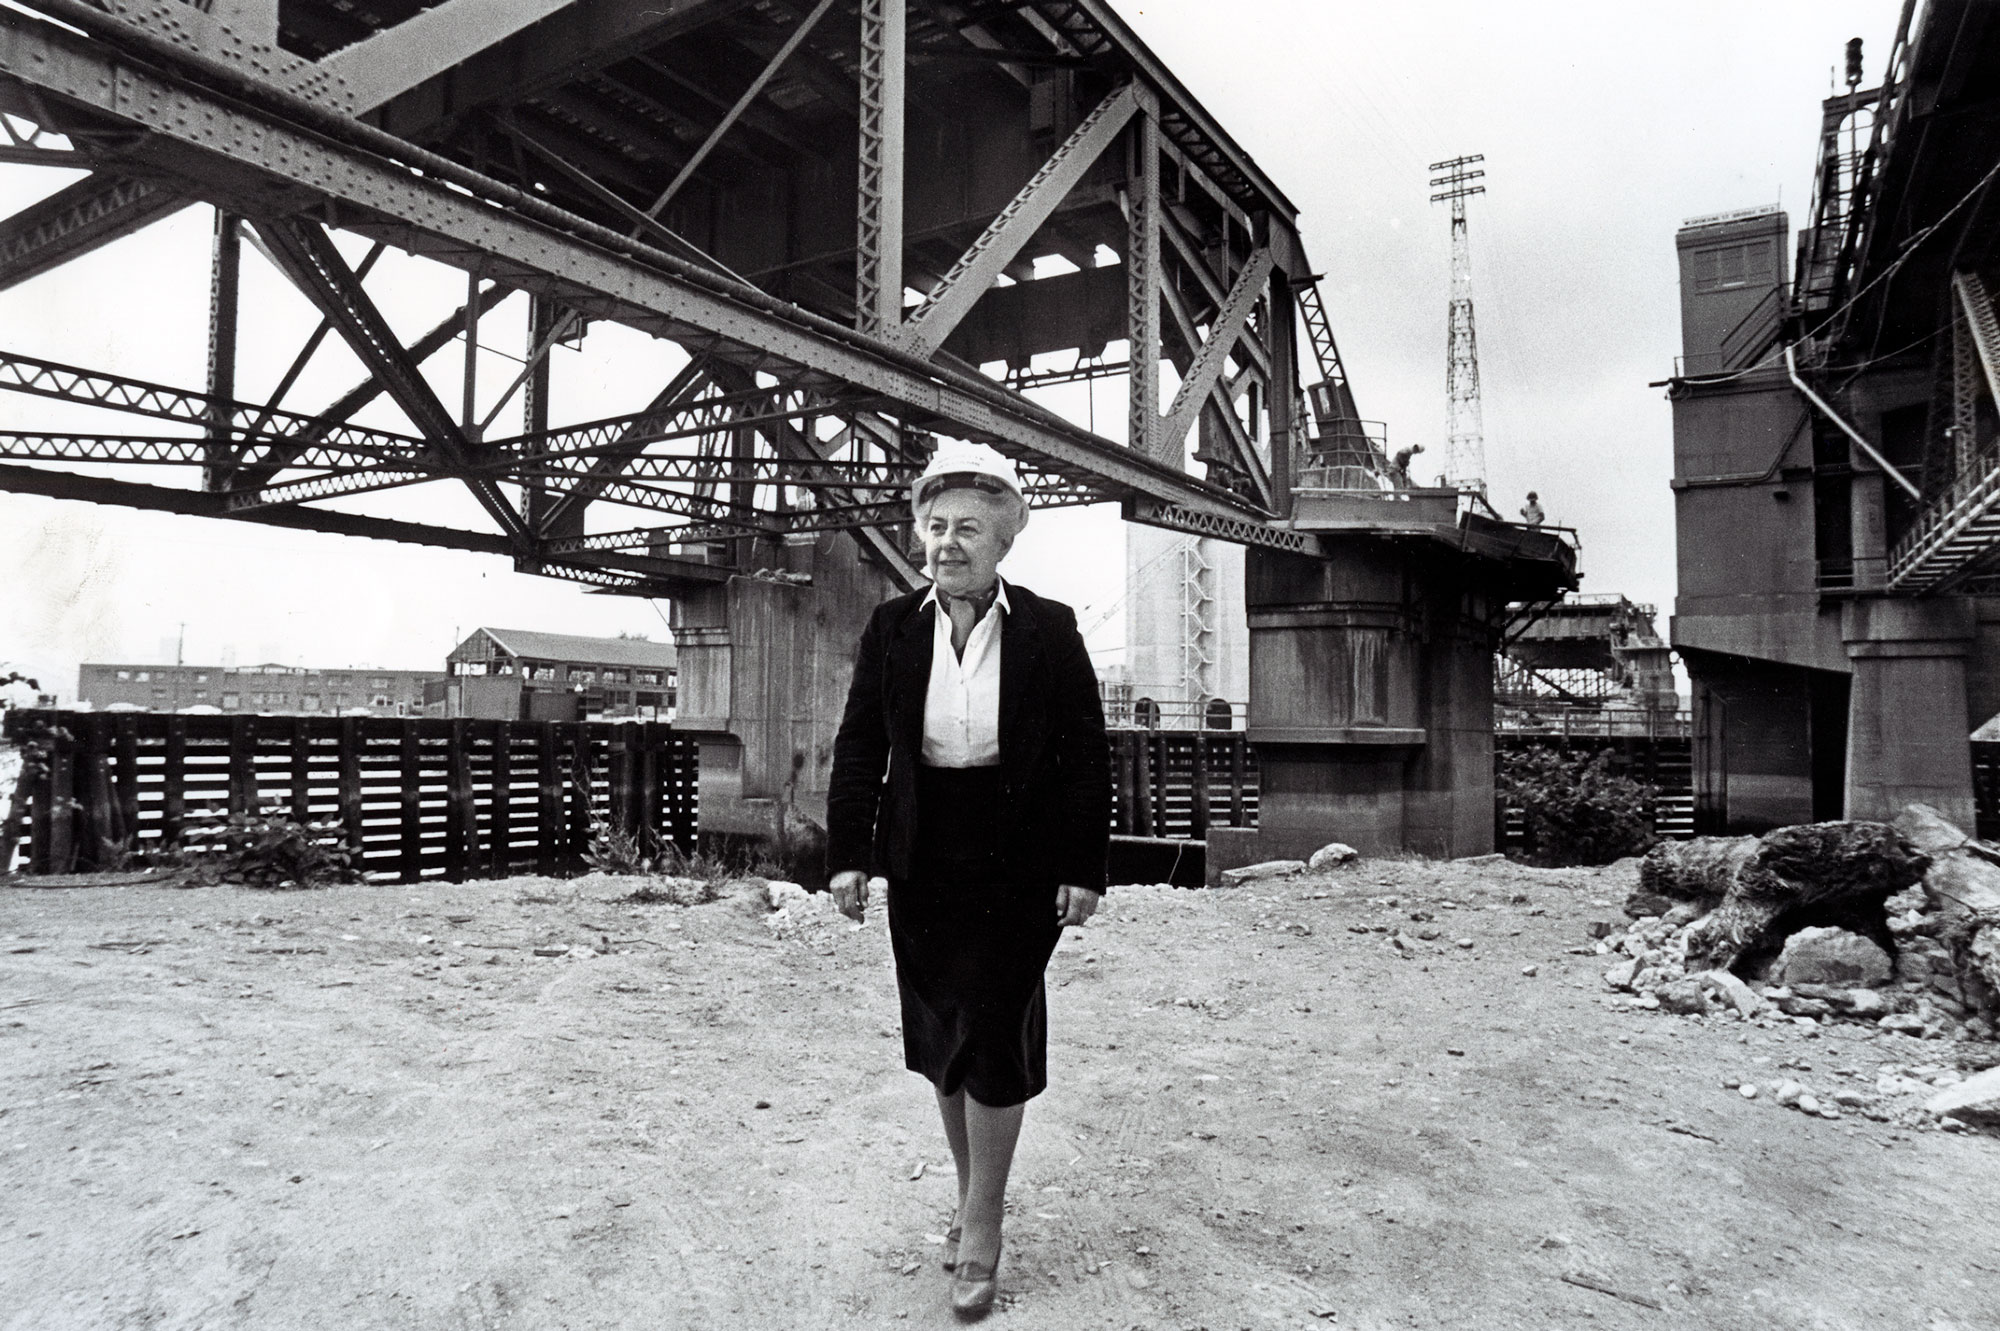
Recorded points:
(265, 130)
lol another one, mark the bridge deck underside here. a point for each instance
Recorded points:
(692, 169)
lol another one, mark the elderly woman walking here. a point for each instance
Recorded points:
(972, 771)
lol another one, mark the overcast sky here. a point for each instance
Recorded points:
(1603, 126)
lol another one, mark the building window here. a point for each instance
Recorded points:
(229, 700)
(309, 702)
(201, 695)
(1727, 267)
(159, 692)
(380, 700)
(201, 677)
(649, 677)
(582, 676)
(540, 671)
(124, 676)
(617, 677)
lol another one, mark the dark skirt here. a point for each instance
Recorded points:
(970, 947)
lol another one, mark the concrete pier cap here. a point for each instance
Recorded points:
(1371, 678)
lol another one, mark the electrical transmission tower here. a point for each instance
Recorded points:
(1465, 456)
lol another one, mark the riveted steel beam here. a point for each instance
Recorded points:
(201, 503)
(878, 243)
(224, 283)
(78, 218)
(1142, 280)
(429, 43)
(139, 397)
(793, 443)
(94, 212)
(1262, 534)
(159, 450)
(364, 481)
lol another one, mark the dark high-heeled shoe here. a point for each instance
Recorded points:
(973, 1291)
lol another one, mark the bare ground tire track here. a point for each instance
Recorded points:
(379, 1107)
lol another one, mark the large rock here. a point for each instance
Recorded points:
(1251, 873)
(1949, 939)
(1332, 855)
(1985, 954)
(1974, 1100)
(1832, 957)
(1686, 995)
(1817, 868)
(1960, 880)
(1738, 994)
(1699, 870)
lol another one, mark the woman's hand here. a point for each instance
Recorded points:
(850, 893)
(1074, 905)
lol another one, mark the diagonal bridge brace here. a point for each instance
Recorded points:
(1230, 323)
(925, 330)
(308, 256)
(258, 473)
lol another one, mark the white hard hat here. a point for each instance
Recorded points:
(976, 466)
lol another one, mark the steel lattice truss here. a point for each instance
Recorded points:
(837, 211)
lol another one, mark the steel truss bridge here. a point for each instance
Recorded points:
(843, 213)
(1893, 308)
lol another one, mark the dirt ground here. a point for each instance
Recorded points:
(387, 1107)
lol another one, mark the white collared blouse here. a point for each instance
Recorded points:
(962, 704)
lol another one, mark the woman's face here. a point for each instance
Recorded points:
(966, 534)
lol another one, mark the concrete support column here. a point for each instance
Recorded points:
(1908, 735)
(1371, 702)
(763, 668)
(1866, 519)
(1450, 801)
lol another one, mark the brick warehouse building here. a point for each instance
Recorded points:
(522, 674)
(349, 690)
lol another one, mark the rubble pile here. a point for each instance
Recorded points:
(1925, 1095)
(1947, 929)
(1892, 925)
(795, 911)
(1839, 919)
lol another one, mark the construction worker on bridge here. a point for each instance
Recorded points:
(1531, 512)
(1401, 475)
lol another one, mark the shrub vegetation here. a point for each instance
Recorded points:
(1577, 809)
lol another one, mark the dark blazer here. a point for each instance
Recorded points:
(1056, 763)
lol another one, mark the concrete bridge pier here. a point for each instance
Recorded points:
(1371, 699)
(764, 664)
(1908, 726)
(1371, 683)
